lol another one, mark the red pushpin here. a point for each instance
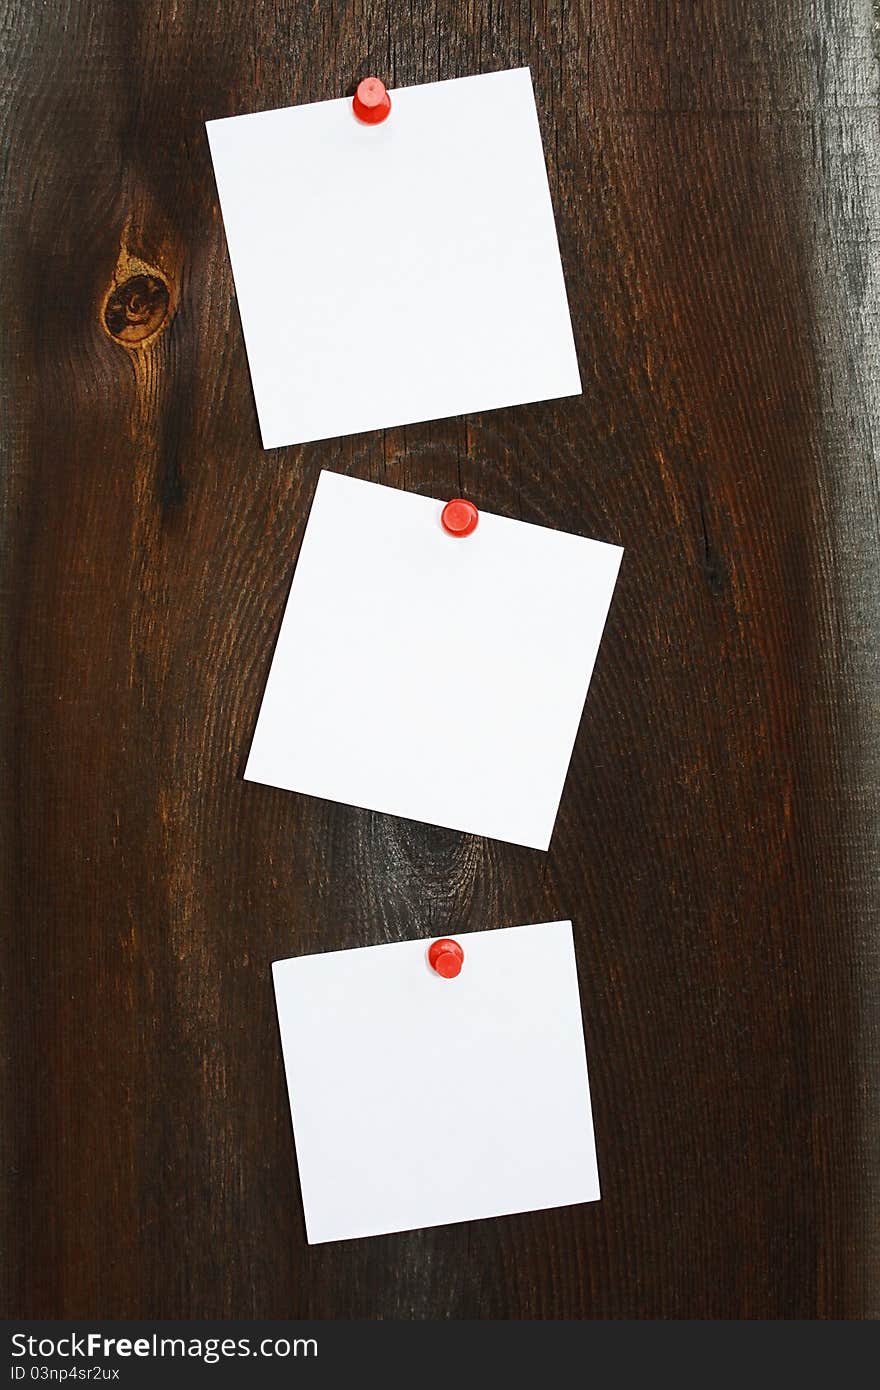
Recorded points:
(371, 103)
(459, 518)
(445, 957)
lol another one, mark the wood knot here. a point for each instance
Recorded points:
(137, 309)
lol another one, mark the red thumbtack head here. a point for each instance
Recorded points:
(371, 101)
(445, 957)
(459, 518)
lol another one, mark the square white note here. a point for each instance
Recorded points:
(419, 1100)
(396, 272)
(429, 676)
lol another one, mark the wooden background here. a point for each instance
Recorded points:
(714, 168)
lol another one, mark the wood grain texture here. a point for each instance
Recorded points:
(714, 169)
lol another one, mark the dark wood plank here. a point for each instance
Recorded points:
(714, 170)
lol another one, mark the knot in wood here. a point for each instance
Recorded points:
(137, 309)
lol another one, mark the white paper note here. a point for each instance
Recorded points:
(418, 1100)
(398, 272)
(429, 676)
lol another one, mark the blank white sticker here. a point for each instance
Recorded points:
(429, 676)
(418, 1100)
(398, 272)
